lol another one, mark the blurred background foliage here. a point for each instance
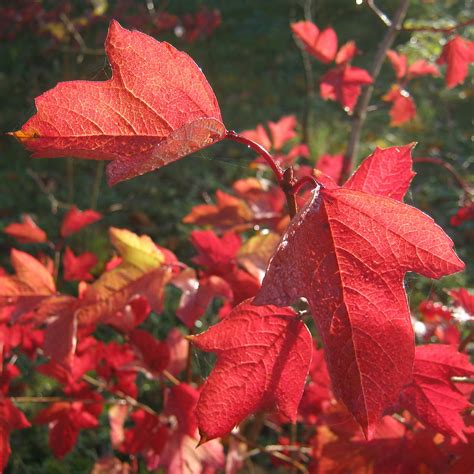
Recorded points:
(256, 70)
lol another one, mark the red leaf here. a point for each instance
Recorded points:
(347, 253)
(179, 350)
(386, 172)
(181, 401)
(65, 420)
(155, 354)
(78, 267)
(322, 45)
(133, 314)
(346, 52)
(31, 284)
(457, 54)
(60, 337)
(11, 418)
(181, 456)
(282, 131)
(331, 165)
(216, 254)
(423, 68)
(26, 232)
(228, 213)
(343, 84)
(263, 357)
(464, 299)
(399, 63)
(258, 135)
(149, 433)
(464, 213)
(432, 396)
(198, 294)
(403, 107)
(156, 108)
(75, 220)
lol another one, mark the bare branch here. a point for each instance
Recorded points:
(380, 14)
(434, 29)
(360, 111)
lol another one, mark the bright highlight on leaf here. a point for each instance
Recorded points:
(156, 108)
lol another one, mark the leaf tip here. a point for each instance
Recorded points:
(23, 136)
(203, 439)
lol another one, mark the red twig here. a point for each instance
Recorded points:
(450, 168)
(234, 136)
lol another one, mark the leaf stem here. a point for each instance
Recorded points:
(303, 181)
(287, 187)
(462, 380)
(234, 136)
(285, 178)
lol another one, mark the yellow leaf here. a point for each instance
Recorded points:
(139, 251)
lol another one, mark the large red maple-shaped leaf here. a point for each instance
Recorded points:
(432, 396)
(156, 108)
(263, 358)
(457, 54)
(347, 252)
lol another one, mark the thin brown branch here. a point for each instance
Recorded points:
(73, 30)
(309, 78)
(450, 169)
(468, 339)
(276, 454)
(123, 396)
(462, 380)
(167, 375)
(293, 440)
(403, 421)
(41, 399)
(55, 203)
(287, 187)
(360, 111)
(379, 13)
(434, 29)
